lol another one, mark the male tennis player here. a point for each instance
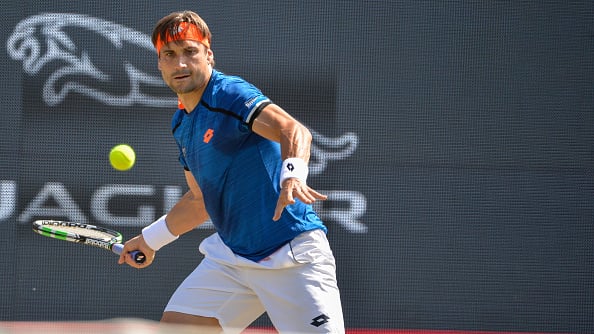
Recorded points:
(246, 164)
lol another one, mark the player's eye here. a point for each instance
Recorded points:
(167, 54)
(191, 51)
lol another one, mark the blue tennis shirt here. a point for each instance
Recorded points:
(238, 170)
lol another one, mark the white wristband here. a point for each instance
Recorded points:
(294, 167)
(157, 234)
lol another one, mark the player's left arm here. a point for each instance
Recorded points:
(276, 124)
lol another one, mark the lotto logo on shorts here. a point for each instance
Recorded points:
(319, 320)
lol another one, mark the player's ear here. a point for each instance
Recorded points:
(209, 56)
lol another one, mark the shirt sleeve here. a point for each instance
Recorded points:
(241, 99)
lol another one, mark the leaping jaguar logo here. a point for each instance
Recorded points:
(49, 38)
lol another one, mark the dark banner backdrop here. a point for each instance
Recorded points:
(454, 139)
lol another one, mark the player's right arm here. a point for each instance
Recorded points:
(188, 213)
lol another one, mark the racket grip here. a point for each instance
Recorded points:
(138, 256)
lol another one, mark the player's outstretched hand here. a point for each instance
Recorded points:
(293, 189)
(137, 243)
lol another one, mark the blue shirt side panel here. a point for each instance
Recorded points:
(176, 121)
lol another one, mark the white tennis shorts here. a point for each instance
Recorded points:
(296, 286)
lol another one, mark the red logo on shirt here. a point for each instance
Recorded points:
(208, 135)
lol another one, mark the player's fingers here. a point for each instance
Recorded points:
(285, 198)
(309, 195)
(126, 258)
(280, 206)
(130, 261)
(304, 195)
(317, 195)
(278, 211)
(123, 255)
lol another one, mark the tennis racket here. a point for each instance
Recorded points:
(86, 234)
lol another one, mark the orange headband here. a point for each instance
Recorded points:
(187, 31)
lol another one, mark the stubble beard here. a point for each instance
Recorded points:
(184, 89)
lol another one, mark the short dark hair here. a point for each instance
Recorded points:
(169, 25)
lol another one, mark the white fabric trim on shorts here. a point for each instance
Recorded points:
(296, 286)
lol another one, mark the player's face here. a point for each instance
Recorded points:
(185, 66)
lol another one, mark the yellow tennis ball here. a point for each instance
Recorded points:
(122, 157)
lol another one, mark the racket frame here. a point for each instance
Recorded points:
(112, 241)
(51, 228)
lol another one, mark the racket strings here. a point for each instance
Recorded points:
(75, 231)
(87, 233)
